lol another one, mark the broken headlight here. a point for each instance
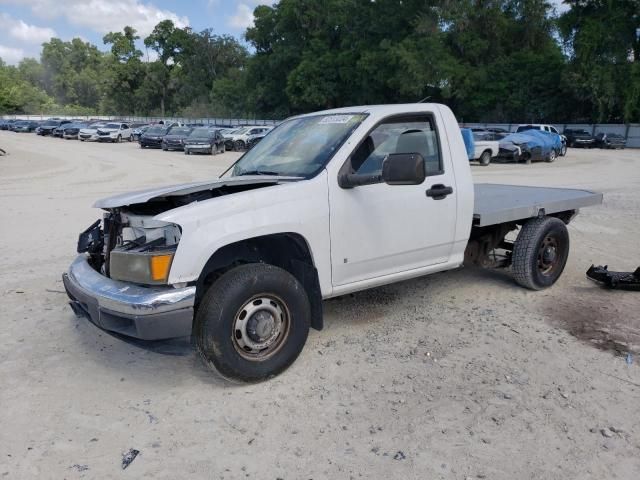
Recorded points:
(144, 250)
(146, 267)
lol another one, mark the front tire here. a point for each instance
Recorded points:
(119, 139)
(552, 156)
(540, 252)
(252, 322)
(239, 145)
(563, 150)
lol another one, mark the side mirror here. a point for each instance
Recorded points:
(403, 169)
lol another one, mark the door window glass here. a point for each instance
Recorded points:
(402, 135)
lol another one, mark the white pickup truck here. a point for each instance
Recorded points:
(328, 203)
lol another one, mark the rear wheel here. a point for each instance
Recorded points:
(540, 252)
(485, 158)
(252, 323)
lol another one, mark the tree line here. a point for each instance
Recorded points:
(490, 60)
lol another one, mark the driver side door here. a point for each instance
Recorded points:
(381, 229)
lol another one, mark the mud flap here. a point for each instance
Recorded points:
(617, 280)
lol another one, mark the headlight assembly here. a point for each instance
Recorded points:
(148, 268)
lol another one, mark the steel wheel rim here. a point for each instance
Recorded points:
(260, 327)
(548, 255)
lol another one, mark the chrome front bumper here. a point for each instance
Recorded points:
(148, 313)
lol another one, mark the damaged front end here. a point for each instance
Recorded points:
(120, 279)
(130, 247)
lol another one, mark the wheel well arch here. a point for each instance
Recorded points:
(288, 250)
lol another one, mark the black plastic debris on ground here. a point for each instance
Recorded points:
(618, 280)
(129, 457)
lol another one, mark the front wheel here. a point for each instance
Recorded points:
(239, 145)
(563, 150)
(252, 323)
(119, 139)
(130, 138)
(540, 252)
(552, 156)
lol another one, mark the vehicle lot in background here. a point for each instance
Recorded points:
(457, 371)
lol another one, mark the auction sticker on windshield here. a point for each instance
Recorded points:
(335, 119)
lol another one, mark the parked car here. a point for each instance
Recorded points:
(58, 132)
(115, 132)
(545, 128)
(138, 130)
(25, 126)
(204, 140)
(90, 133)
(579, 138)
(49, 126)
(243, 262)
(610, 140)
(237, 139)
(530, 146)
(253, 139)
(174, 139)
(152, 137)
(4, 124)
(486, 145)
(72, 130)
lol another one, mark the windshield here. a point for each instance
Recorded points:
(156, 130)
(112, 125)
(51, 124)
(299, 147)
(179, 131)
(201, 133)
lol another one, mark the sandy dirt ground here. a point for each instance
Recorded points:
(453, 376)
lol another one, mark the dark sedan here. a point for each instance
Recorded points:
(610, 140)
(25, 126)
(48, 127)
(204, 140)
(579, 138)
(6, 124)
(152, 138)
(174, 139)
(71, 131)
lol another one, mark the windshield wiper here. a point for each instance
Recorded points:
(258, 172)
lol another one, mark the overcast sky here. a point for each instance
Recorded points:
(26, 24)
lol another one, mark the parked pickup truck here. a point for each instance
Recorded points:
(327, 204)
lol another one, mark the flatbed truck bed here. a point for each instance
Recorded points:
(497, 204)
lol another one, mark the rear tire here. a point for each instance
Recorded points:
(485, 158)
(252, 322)
(540, 253)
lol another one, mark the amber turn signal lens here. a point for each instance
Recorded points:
(160, 267)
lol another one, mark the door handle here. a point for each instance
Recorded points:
(439, 191)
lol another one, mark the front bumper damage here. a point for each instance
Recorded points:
(147, 313)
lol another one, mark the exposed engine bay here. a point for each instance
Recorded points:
(129, 244)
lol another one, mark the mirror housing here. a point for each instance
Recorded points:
(403, 169)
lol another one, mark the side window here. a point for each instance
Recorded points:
(553, 129)
(125, 126)
(415, 134)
